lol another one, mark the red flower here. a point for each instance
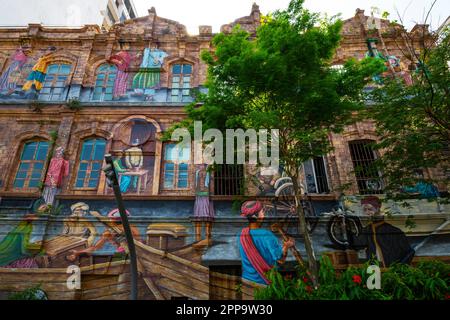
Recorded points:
(305, 280)
(309, 289)
(357, 279)
(447, 296)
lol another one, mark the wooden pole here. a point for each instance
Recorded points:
(112, 177)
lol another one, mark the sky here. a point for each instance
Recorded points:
(216, 13)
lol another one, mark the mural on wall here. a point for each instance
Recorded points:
(390, 61)
(381, 240)
(259, 248)
(133, 149)
(147, 80)
(37, 76)
(122, 60)
(204, 213)
(265, 180)
(57, 171)
(91, 235)
(85, 237)
(77, 225)
(11, 76)
(113, 235)
(81, 237)
(16, 249)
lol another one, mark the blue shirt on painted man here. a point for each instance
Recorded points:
(269, 248)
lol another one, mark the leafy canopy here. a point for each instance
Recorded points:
(413, 121)
(281, 78)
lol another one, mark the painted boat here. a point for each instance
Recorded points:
(108, 281)
(180, 275)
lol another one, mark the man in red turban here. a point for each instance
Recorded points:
(384, 242)
(260, 249)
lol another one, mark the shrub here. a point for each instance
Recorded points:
(35, 293)
(429, 280)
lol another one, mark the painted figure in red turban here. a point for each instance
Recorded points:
(260, 249)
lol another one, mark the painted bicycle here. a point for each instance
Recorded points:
(282, 207)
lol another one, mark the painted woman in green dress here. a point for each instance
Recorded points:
(16, 251)
(147, 80)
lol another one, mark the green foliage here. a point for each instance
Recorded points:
(282, 79)
(74, 104)
(414, 120)
(34, 293)
(430, 280)
(53, 135)
(51, 210)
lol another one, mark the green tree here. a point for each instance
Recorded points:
(413, 120)
(282, 79)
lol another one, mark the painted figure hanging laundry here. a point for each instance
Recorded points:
(148, 79)
(9, 78)
(38, 73)
(204, 213)
(260, 249)
(122, 60)
(57, 171)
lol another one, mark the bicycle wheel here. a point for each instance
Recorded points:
(338, 235)
(282, 181)
(285, 197)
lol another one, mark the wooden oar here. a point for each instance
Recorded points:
(277, 228)
(106, 221)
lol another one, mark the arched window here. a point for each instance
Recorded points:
(54, 88)
(181, 82)
(363, 158)
(90, 163)
(104, 82)
(31, 167)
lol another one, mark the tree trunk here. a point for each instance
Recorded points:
(312, 261)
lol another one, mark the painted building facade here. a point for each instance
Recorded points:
(88, 92)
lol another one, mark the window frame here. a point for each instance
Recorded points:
(181, 84)
(365, 144)
(31, 169)
(90, 163)
(56, 78)
(176, 172)
(314, 171)
(229, 180)
(105, 81)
